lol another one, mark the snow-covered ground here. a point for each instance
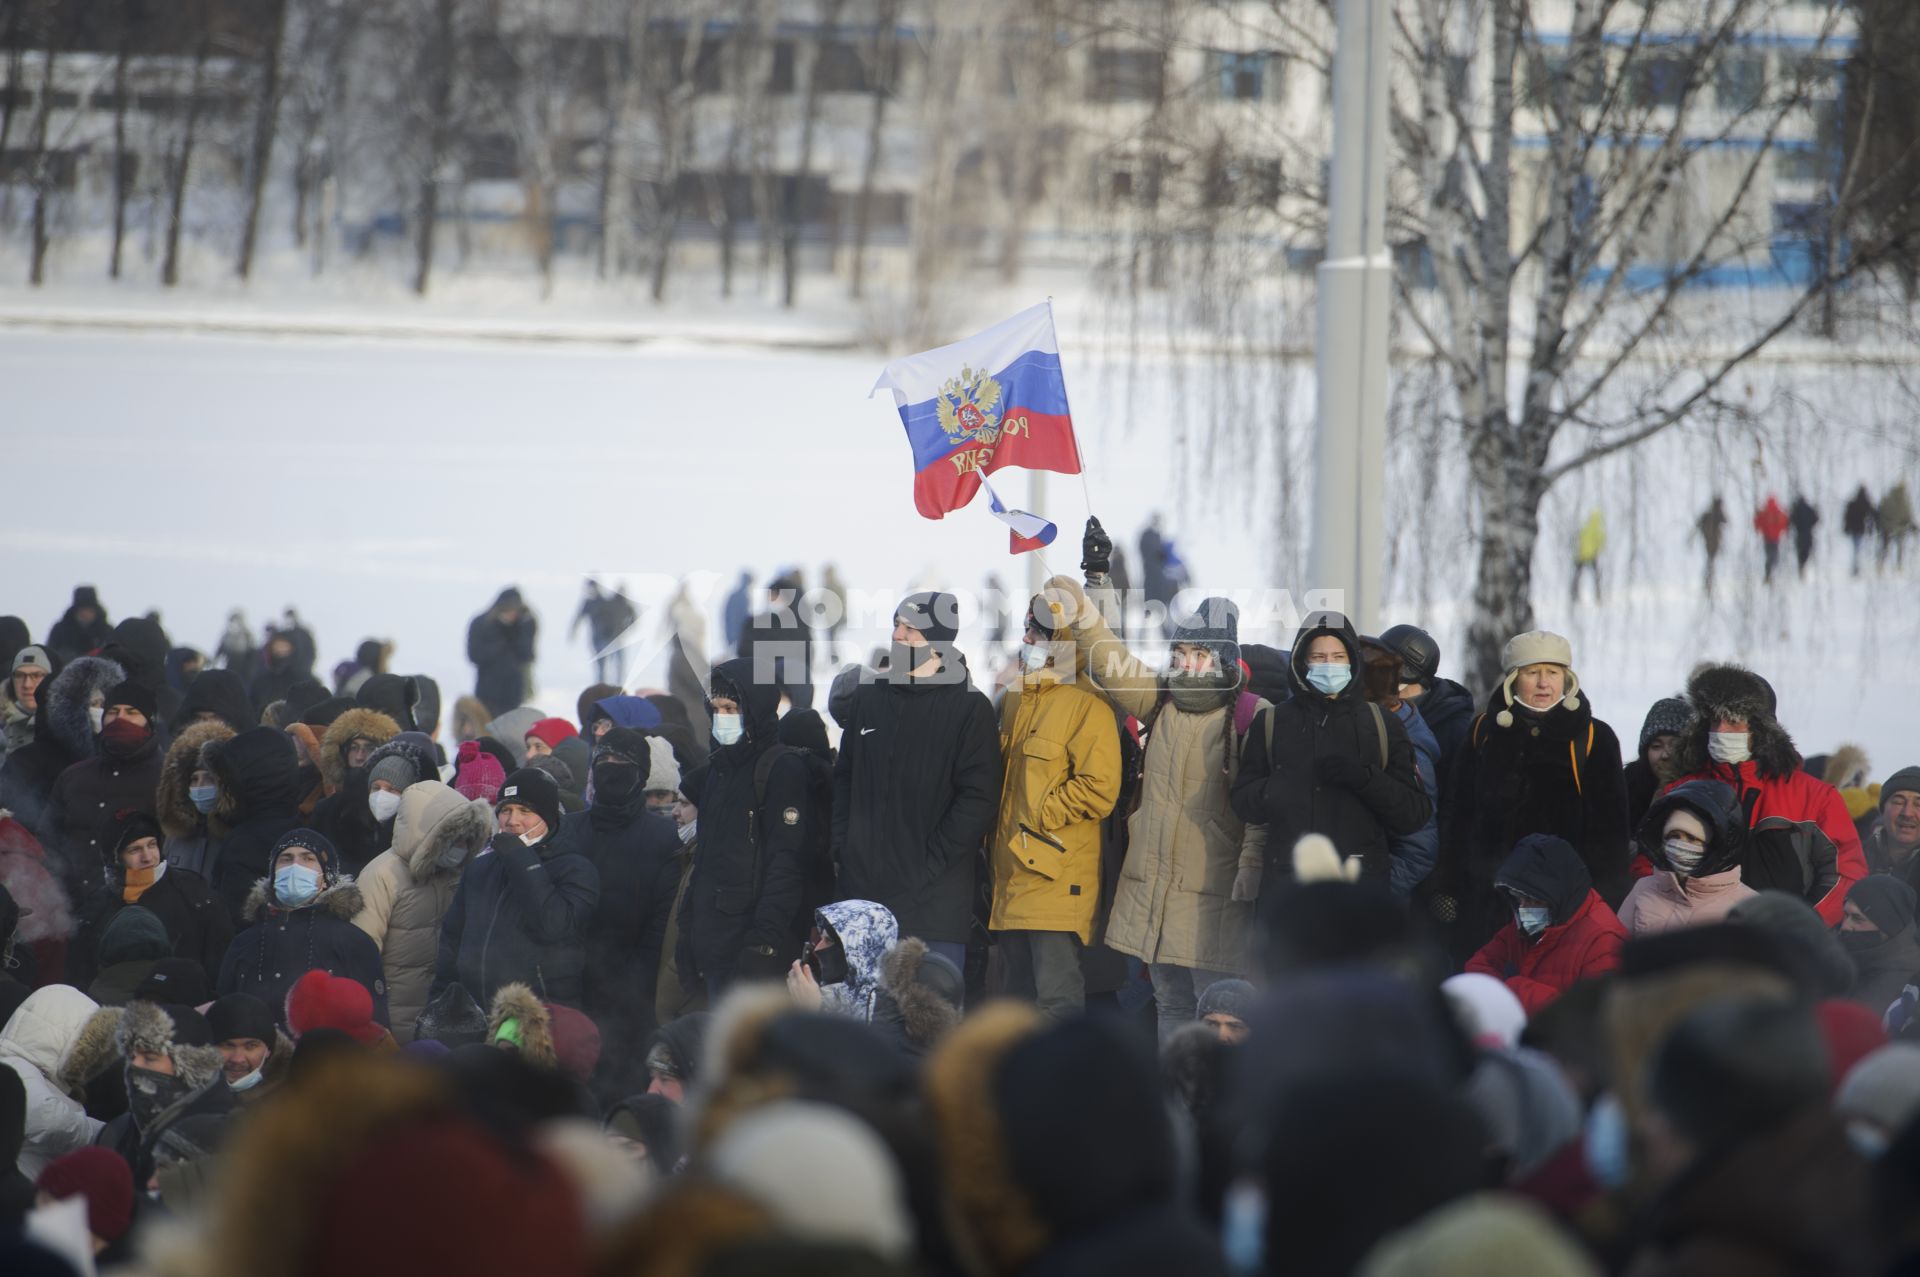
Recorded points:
(390, 487)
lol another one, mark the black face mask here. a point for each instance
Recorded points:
(1862, 941)
(615, 781)
(150, 1094)
(829, 966)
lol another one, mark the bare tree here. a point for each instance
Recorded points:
(132, 18)
(793, 205)
(439, 54)
(272, 32)
(180, 165)
(678, 71)
(883, 61)
(43, 170)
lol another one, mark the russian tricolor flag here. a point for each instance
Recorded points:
(995, 399)
(1029, 531)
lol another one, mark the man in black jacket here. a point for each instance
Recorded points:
(745, 891)
(916, 788)
(500, 645)
(524, 905)
(633, 849)
(258, 775)
(1324, 772)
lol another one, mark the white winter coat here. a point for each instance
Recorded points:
(32, 1044)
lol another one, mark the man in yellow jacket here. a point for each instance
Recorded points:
(1062, 751)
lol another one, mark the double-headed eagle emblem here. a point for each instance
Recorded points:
(969, 407)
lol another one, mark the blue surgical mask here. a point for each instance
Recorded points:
(203, 797)
(1605, 1148)
(1329, 680)
(246, 1083)
(727, 728)
(295, 885)
(1533, 919)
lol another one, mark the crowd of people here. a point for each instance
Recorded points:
(1156, 954)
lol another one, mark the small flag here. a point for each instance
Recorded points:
(1029, 531)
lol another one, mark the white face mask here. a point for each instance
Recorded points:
(687, 834)
(246, 1083)
(97, 715)
(1033, 657)
(1732, 748)
(727, 728)
(1684, 856)
(383, 804)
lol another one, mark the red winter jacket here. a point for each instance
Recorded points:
(1538, 971)
(1798, 796)
(1771, 521)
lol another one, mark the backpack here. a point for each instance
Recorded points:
(1379, 735)
(1794, 856)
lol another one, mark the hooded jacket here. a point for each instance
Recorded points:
(283, 944)
(86, 801)
(748, 876)
(1061, 779)
(1666, 899)
(406, 891)
(501, 653)
(194, 919)
(1771, 782)
(916, 788)
(259, 778)
(220, 693)
(32, 1044)
(140, 646)
(70, 636)
(866, 932)
(635, 854)
(1582, 938)
(1281, 789)
(1174, 901)
(1557, 772)
(343, 815)
(521, 915)
(920, 997)
(62, 736)
(192, 839)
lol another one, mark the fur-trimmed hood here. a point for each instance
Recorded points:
(1846, 768)
(45, 1025)
(1732, 691)
(178, 816)
(68, 696)
(147, 1027)
(343, 900)
(925, 1016)
(258, 773)
(432, 818)
(94, 1050)
(517, 1001)
(370, 723)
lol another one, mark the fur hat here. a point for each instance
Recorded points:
(545, 1033)
(1732, 692)
(148, 1027)
(1225, 997)
(1536, 647)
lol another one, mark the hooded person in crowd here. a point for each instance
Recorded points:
(1801, 836)
(82, 628)
(1176, 907)
(123, 776)
(524, 906)
(20, 699)
(257, 794)
(546, 1035)
(742, 903)
(1695, 836)
(509, 732)
(64, 734)
(500, 643)
(1536, 762)
(1895, 838)
(1756, 1175)
(194, 919)
(920, 997)
(1877, 931)
(141, 646)
(346, 814)
(1652, 769)
(840, 971)
(33, 1043)
(674, 1055)
(661, 789)
(254, 1053)
(407, 890)
(633, 850)
(301, 920)
(916, 784)
(1328, 761)
(184, 801)
(218, 696)
(1062, 778)
(1444, 705)
(395, 695)
(1562, 931)
(392, 769)
(1411, 856)
(131, 944)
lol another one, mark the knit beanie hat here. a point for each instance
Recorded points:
(1668, 717)
(1904, 781)
(1888, 903)
(663, 773)
(396, 769)
(1536, 647)
(104, 1179)
(551, 731)
(175, 981)
(935, 615)
(130, 825)
(33, 658)
(536, 791)
(476, 773)
(314, 841)
(1225, 997)
(240, 1015)
(318, 1000)
(576, 1042)
(1883, 1088)
(134, 694)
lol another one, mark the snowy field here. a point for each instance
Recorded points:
(391, 487)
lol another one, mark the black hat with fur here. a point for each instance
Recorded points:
(1732, 692)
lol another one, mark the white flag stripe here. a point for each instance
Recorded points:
(914, 378)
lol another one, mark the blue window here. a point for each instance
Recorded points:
(1239, 77)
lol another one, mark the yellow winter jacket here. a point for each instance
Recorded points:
(1062, 751)
(1593, 538)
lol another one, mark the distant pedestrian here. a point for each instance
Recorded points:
(1896, 524)
(1709, 527)
(1861, 519)
(1804, 519)
(1771, 522)
(1586, 553)
(500, 645)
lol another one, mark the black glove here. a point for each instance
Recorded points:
(1509, 970)
(1339, 771)
(1096, 549)
(760, 962)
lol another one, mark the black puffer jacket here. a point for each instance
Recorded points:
(1288, 790)
(634, 852)
(258, 772)
(62, 736)
(916, 789)
(1447, 709)
(281, 945)
(521, 914)
(501, 654)
(196, 922)
(748, 876)
(1556, 772)
(85, 801)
